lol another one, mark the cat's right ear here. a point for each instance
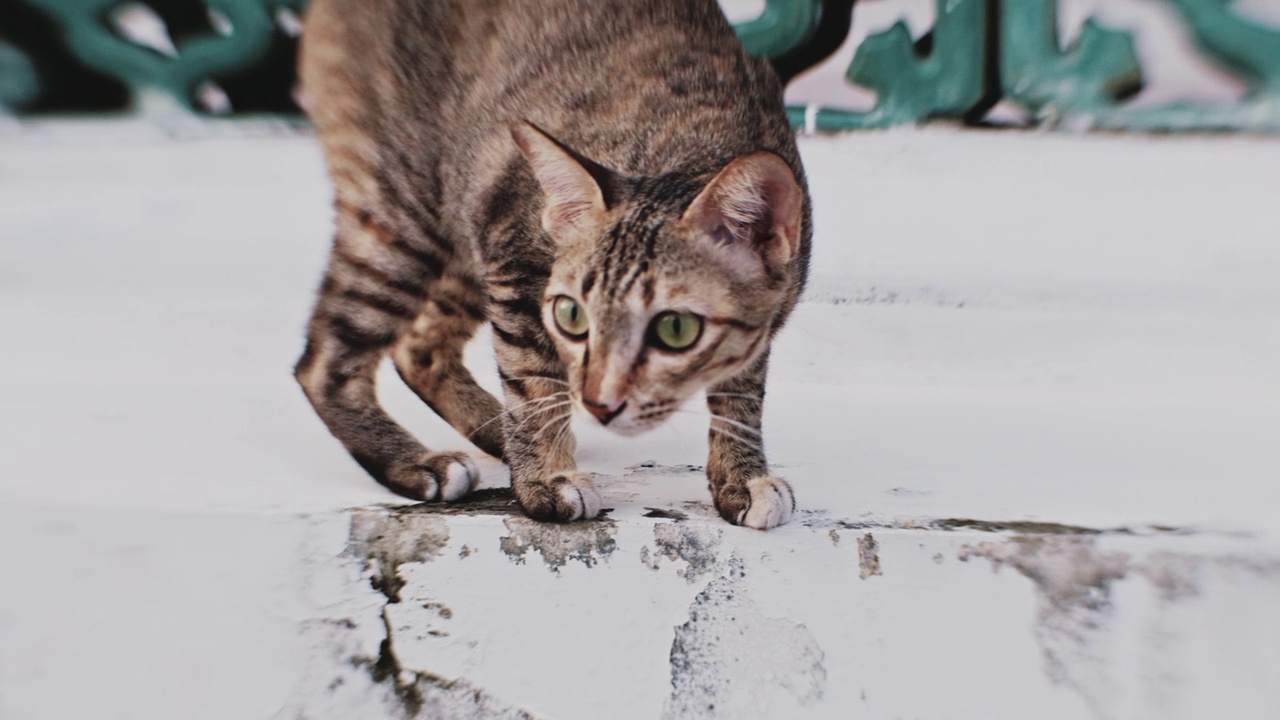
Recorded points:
(573, 195)
(752, 211)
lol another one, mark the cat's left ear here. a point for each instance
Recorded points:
(574, 188)
(752, 209)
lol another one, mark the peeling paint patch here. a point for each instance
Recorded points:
(384, 541)
(698, 546)
(1073, 579)
(868, 556)
(585, 542)
(730, 661)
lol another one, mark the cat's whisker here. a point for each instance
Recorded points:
(541, 401)
(537, 414)
(558, 422)
(734, 423)
(564, 429)
(741, 426)
(747, 443)
(509, 411)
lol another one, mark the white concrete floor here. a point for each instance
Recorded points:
(1050, 356)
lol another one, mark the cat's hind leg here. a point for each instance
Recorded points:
(374, 287)
(429, 359)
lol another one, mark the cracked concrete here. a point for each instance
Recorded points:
(587, 542)
(697, 546)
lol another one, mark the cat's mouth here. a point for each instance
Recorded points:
(632, 417)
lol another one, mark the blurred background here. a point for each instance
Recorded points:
(1116, 64)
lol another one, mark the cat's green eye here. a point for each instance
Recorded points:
(676, 330)
(570, 317)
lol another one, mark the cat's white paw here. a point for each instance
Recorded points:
(438, 476)
(460, 477)
(563, 497)
(772, 503)
(579, 499)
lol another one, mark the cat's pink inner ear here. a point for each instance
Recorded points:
(754, 203)
(573, 199)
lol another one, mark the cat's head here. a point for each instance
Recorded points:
(662, 287)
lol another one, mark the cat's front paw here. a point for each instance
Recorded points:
(563, 497)
(762, 502)
(437, 476)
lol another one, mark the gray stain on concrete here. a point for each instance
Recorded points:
(384, 541)
(868, 556)
(696, 545)
(585, 542)
(1073, 579)
(728, 659)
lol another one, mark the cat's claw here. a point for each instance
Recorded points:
(564, 497)
(772, 503)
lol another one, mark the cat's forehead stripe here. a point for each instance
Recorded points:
(622, 261)
(734, 323)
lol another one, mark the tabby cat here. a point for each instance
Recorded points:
(613, 184)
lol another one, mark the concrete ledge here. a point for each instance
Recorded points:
(474, 612)
(1029, 409)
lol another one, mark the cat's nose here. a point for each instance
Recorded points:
(604, 413)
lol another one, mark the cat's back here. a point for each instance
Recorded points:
(614, 77)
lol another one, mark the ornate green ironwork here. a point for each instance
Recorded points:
(1094, 73)
(249, 29)
(1250, 50)
(19, 83)
(977, 52)
(1083, 85)
(1244, 48)
(782, 26)
(917, 81)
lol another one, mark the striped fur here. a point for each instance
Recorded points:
(489, 157)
